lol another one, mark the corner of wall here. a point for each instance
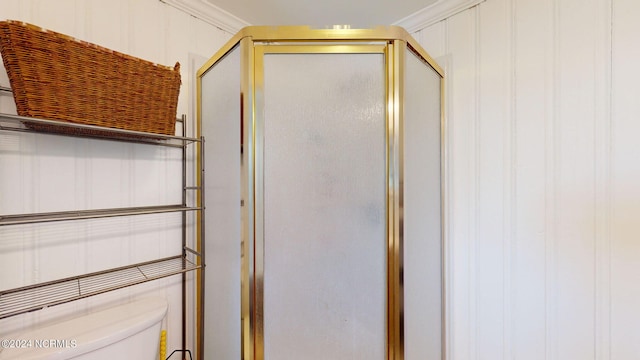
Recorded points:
(434, 13)
(210, 14)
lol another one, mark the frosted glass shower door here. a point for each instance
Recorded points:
(220, 111)
(322, 164)
(422, 212)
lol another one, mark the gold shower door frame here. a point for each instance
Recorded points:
(255, 42)
(253, 328)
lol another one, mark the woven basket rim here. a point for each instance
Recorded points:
(24, 24)
(50, 77)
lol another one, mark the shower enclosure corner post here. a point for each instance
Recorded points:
(201, 245)
(395, 142)
(247, 168)
(199, 303)
(443, 221)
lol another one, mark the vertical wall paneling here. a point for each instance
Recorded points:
(540, 103)
(510, 179)
(174, 28)
(602, 156)
(433, 40)
(493, 173)
(105, 17)
(532, 90)
(625, 176)
(475, 153)
(575, 188)
(460, 42)
(145, 29)
(551, 189)
(63, 16)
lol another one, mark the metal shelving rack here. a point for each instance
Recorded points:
(39, 296)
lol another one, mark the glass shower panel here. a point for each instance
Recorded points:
(422, 212)
(220, 107)
(324, 207)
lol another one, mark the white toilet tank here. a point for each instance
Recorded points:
(129, 331)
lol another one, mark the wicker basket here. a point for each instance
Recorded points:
(54, 76)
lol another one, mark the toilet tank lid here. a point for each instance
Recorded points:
(86, 333)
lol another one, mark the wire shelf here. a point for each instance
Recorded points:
(9, 122)
(19, 219)
(40, 296)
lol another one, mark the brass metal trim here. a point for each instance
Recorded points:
(258, 140)
(247, 91)
(400, 65)
(396, 190)
(300, 33)
(259, 52)
(297, 33)
(226, 48)
(443, 219)
(199, 219)
(390, 164)
(322, 49)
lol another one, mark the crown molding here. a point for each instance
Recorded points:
(209, 13)
(434, 13)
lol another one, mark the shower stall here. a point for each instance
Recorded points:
(324, 158)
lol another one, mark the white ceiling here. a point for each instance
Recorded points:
(322, 13)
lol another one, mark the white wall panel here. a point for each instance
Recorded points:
(106, 15)
(462, 99)
(574, 170)
(541, 151)
(602, 162)
(532, 122)
(64, 16)
(433, 39)
(45, 173)
(146, 29)
(494, 178)
(624, 178)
